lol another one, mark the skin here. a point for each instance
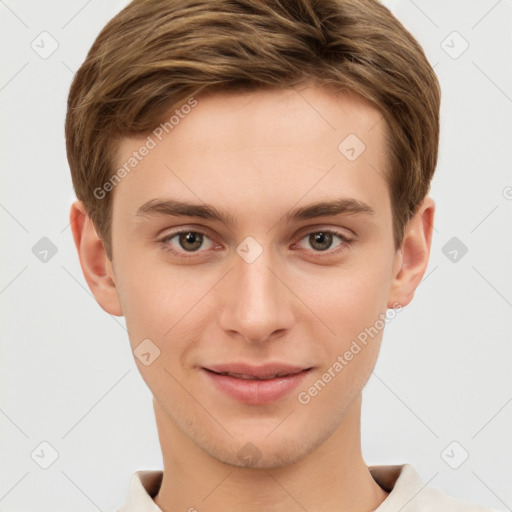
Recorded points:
(258, 156)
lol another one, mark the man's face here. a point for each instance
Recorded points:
(266, 288)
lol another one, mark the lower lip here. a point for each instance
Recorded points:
(256, 392)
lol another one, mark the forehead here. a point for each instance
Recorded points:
(259, 148)
(274, 118)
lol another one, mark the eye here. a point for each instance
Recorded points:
(322, 240)
(187, 241)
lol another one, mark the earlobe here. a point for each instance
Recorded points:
(412, 259)
(95, 264)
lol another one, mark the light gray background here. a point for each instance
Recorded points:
(68, 376)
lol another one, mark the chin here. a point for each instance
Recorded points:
(263, 451)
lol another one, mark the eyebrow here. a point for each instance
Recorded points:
(170, 207)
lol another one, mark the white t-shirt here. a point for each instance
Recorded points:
(407, 492)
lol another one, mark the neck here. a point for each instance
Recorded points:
(332, 477)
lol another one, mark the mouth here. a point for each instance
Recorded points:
(256, 385)
(255, 377)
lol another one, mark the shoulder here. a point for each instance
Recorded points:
(431, 499)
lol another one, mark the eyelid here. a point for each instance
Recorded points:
(343, 232)
(171, 231)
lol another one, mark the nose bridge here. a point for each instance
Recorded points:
(258, 304)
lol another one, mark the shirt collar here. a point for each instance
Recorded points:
(402, 482)
(144, 485)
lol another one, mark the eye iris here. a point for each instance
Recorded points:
(196, 239)
(324, 239)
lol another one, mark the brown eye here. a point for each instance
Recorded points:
(324, 240)
(321, 240)
(190, 240)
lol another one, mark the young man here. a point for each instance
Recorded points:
(252, 183)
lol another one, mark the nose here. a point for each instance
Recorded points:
(257, 304)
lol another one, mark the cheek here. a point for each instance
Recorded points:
(159, 301)
(355, 310)
(343, 374)
(162, 307)
(348, 299)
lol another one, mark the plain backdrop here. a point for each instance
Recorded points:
(441, 395)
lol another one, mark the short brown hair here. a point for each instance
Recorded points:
(155, 54)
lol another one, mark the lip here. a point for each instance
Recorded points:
(263, 388)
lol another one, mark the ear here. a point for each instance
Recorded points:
(412, 258)
(96, 266)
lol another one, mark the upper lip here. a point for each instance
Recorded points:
(263, 371)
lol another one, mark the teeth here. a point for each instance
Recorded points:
(252, 377)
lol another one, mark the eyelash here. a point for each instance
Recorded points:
(346, 242)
